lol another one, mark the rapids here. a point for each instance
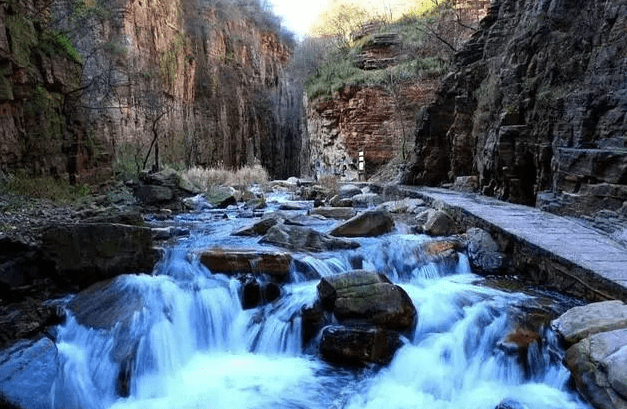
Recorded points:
(193, 346)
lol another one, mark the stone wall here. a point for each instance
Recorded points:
(537, 102)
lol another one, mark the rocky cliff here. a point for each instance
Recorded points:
(363, 119)
(201, 82)
(536, 107)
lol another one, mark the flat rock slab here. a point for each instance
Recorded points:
(581, 322)
(248, 261)
(342, 213)
(600, 264)
(367, 224)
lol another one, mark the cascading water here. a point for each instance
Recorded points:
(180, 339)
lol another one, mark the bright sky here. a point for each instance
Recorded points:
(297, 14)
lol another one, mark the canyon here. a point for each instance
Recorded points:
(88, 91)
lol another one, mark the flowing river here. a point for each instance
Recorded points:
(194, 347)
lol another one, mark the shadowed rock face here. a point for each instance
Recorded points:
(537, 102)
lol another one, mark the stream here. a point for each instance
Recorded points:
(180, 339)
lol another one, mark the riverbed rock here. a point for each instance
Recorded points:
(406, 205)
(510, 404)
(597, 366)
(343, 213)
(484, 254)
(367, 200)
(274, 264)
(581, 322)
(163, 187)
(27, 372)
(439, 223)
(368, 297)
(358, 345)
(26, 319)
(441, 251)
(299, 238)
(369, 223)
(221, 196)
(255, 292)
(348, 191)
(82, 254)
(261, 227)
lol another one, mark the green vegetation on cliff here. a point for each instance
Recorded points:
(374, 49)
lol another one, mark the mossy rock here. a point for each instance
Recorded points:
(23, 38)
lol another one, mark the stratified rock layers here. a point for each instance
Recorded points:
(537, 102)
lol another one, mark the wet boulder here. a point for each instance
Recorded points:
(598, 367)
(484, 254)
(28, 370)
(368, 297)
(299, 238)
(343, 213)
(581, 322)
(261, 227)
(163, 187)
(438, 223)
(256, 292)
(368, 223)
(82, 254)
(348, 191)
(367, 200)
(445, 252)
(510, 404)
(274, 264)
(221, 196)
(358, 345)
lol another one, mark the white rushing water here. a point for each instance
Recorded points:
(184, 341)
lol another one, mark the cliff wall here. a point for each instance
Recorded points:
(536, 107)
(363, 118)
(206, 78)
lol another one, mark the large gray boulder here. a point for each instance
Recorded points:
(597, 365)
(85, 253)
(368, 297)
(581, 322)
(484, 253)
(369, 223)
(439, 223)
(299, 238)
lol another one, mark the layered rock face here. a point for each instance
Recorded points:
(537, 103)
(36, 78)
(362, 119)
(208, 81)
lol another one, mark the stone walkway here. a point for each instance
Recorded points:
(593, 258)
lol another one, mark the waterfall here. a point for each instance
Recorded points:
(179, 338)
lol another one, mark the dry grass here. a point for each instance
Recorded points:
(244, 177)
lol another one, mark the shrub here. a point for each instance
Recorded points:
(56, 189)
(246, 176)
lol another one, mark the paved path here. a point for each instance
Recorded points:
(565, 239)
